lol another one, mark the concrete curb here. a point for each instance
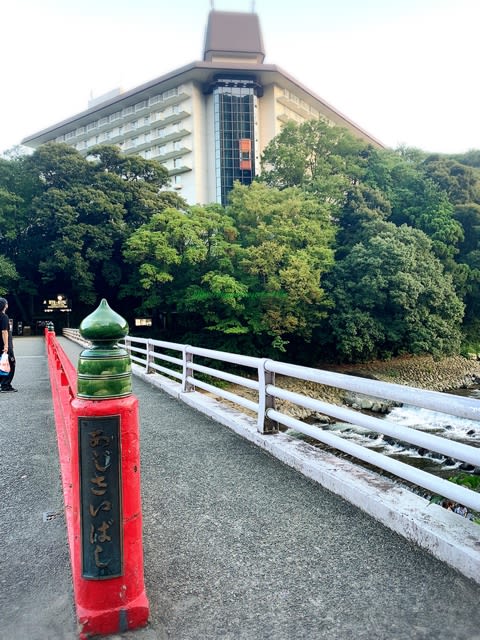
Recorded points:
(446, 535)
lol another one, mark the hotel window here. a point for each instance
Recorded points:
(91, 125)
(177, 163)
(177, 145)
(115, 116)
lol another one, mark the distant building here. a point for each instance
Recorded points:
(207, 122)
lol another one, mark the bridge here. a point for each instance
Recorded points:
(237, 544)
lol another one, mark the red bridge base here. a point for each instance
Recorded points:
(108, 604)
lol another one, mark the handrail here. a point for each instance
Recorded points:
(434, 400)
(148, 353)
(63, 379)
(63, 363)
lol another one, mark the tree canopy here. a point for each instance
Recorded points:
(337, 250)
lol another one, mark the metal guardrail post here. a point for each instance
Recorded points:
(149, 357)
(265, 401)
(107, 555)
(187, 370)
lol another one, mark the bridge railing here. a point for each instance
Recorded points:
(155, 356)
(63, 378)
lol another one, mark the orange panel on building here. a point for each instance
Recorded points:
(245, 148)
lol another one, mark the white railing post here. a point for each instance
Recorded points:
(265, 401)
(150, 355)
(187, 370)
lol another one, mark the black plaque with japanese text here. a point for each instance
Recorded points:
(100, 497)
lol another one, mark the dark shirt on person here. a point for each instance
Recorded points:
(5, 326)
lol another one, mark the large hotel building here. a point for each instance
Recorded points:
(207, 122)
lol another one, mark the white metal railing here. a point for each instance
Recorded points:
(258, 375)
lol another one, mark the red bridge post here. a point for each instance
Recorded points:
(106, 541)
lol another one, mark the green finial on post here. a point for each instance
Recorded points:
(104, 370)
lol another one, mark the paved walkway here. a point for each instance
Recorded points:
(237, 546)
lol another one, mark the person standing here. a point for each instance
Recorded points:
(6, 346)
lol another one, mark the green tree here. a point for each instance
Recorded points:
(8, 275)
(73, 214)
(317, 157)
(10, 206)
(460, 182)
(420, 203)
(182, 264)
(285, 248)
(392, 296)
(250, 275)
(468, 215)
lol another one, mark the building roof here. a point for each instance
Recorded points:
(232, 34)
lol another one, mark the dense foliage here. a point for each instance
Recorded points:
(338, 250)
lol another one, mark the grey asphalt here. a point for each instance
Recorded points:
(237, 546)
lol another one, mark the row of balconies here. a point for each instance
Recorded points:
(298, 108)
(167, 155)
(99, 126)
(308, 111)
(140, 127)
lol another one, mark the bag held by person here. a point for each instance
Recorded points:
(4, 365)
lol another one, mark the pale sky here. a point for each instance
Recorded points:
(407, 71)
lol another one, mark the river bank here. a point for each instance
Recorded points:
(454, 372)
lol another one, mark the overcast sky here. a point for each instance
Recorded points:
(407, 71)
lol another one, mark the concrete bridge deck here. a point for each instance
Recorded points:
(237, 546)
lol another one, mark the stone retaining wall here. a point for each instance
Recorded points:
(422, 371)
